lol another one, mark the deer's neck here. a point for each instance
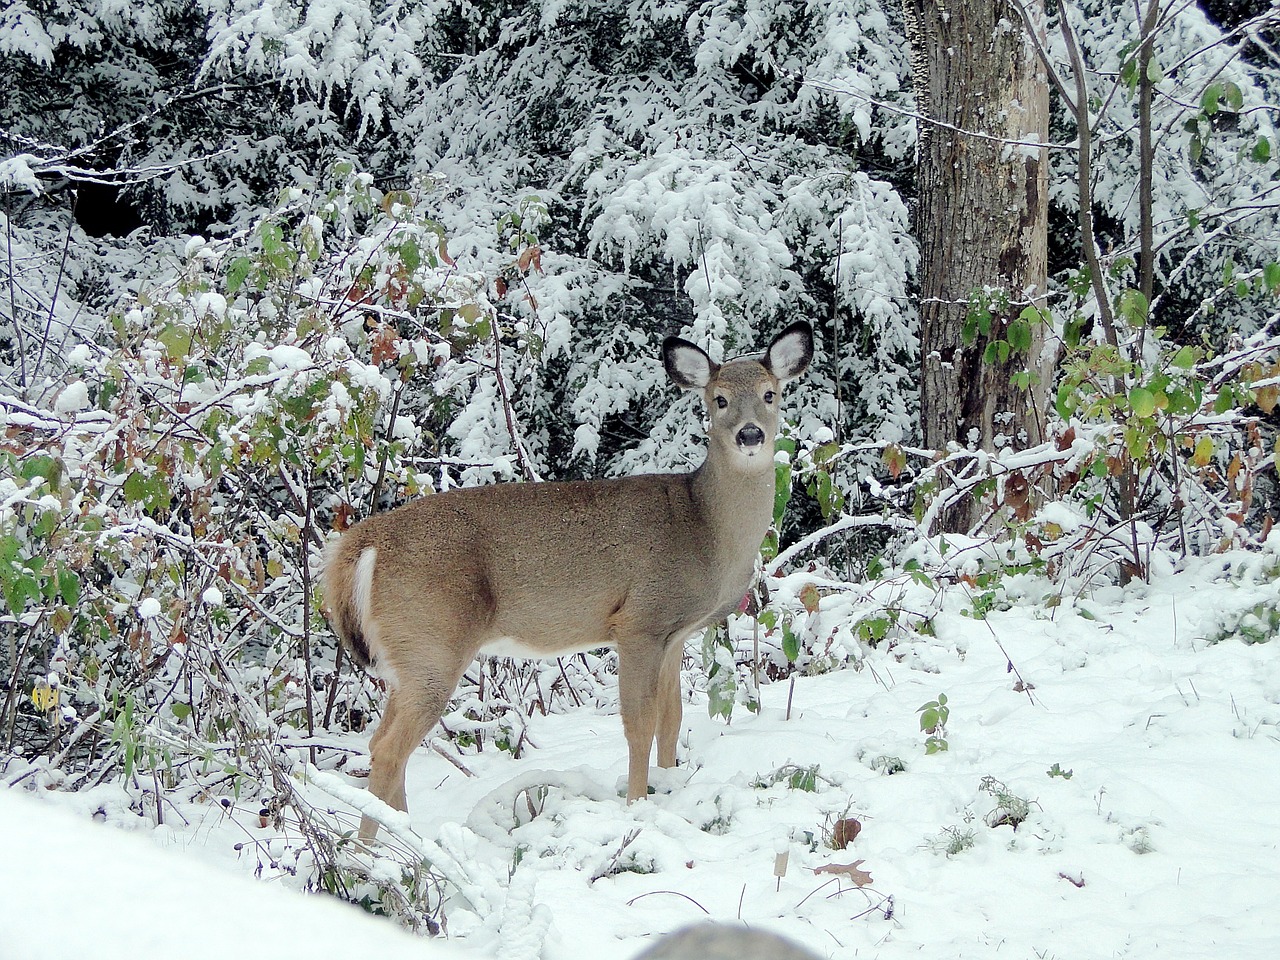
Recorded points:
(736, 505)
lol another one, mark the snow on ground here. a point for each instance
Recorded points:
(1161, 843)
(72, 888)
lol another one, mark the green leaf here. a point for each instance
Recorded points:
(1019, 334)
(1209, 99)
(781, 490)
(68, 586)
(790, 644)
(1262, 150)
(825, 503)
(158, 494)
(48, 522)
(1136, 444)
(1155, 72)
(928, 718)
(410, 254)
(1271, 276)
(826, 453)
(1234, 98)
(875, 567)
(272, 238)
(1066, 401)
(1142, 401)
(46, 467)
(1129, 73)
(18, 591)
(176, 340)
(1203, 452)
(1184, 359)
(135, 488)
(1033, 315)
(236, 274)
(1133, 307)
(1073, 331)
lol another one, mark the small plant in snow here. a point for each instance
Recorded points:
(720, 823)
(1258, 624)
(1011, 810)
(794, 776)
(1138, 839)
(933, 721)
(1057, 771)
(721, 670)
(841, 830)
(952, 840)
(888, 765)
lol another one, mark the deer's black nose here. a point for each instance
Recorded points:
(750, 436)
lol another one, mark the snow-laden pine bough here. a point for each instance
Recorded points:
(545, 569)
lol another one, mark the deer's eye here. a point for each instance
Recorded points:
(721, 402)
(768, 396)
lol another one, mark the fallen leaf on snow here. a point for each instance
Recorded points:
(859, 878)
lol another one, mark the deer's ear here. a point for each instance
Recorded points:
(687, 364)
(789, 354)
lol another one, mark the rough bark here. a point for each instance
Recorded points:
(982, 219)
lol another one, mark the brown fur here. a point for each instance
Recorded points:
(640, 563)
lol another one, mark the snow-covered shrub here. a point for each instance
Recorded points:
(161, 518)
(1213, 176)
(1163, 345)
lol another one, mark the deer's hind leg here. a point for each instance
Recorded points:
(412, 710)
(670, 703)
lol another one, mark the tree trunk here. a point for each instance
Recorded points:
(982, 221)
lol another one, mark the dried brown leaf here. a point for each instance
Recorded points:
(857, 876)
(1017, 495)
(895, 459)
(845, 831)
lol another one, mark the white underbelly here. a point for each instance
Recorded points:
(512, 647)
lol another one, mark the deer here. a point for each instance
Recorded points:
(547, 569)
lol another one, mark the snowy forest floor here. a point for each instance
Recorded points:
(1154, 836)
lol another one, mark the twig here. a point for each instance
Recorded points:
(305, 640)
(673, 893)
(1146, 155)
(391, 433)
(436, 748)
(517, 444)
(1084, 132)
(607, 870)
